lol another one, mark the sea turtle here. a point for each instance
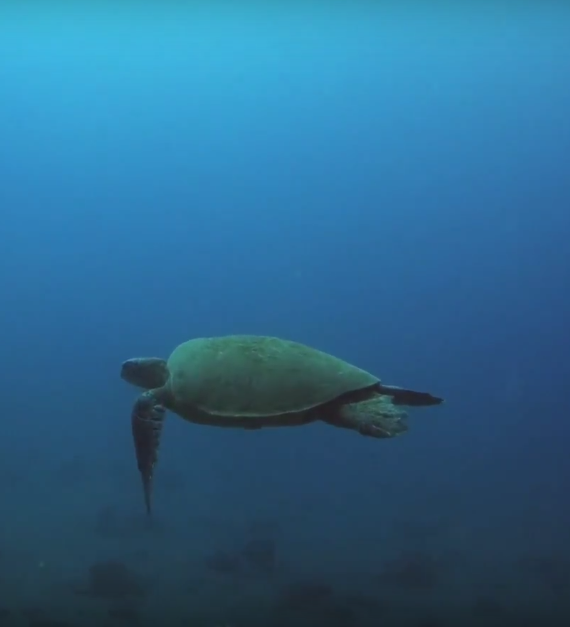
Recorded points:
(249, 382)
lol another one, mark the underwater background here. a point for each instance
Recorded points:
(390, 185)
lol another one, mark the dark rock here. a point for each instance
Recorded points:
(487, 606)
(414, 571)
(305, 595)
(113, 580)
(5, 613)
(125, 614)
(553, 571)
(261, 555)
(223, 563)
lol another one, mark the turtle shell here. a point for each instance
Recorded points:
(258, 376)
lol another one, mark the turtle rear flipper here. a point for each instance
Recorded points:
(376, 417)
(147, 420)
(411, 398)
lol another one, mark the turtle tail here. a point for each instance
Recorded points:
(147, 420)
(411, 398)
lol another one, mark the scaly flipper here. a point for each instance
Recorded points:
(147, 420)
(376, 417)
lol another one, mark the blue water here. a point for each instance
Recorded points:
(390, 186)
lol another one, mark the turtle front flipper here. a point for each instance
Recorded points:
(147, 420)
(411, 398)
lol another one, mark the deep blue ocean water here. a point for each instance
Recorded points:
(388, 185)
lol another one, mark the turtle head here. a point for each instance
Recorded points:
(148, 373)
